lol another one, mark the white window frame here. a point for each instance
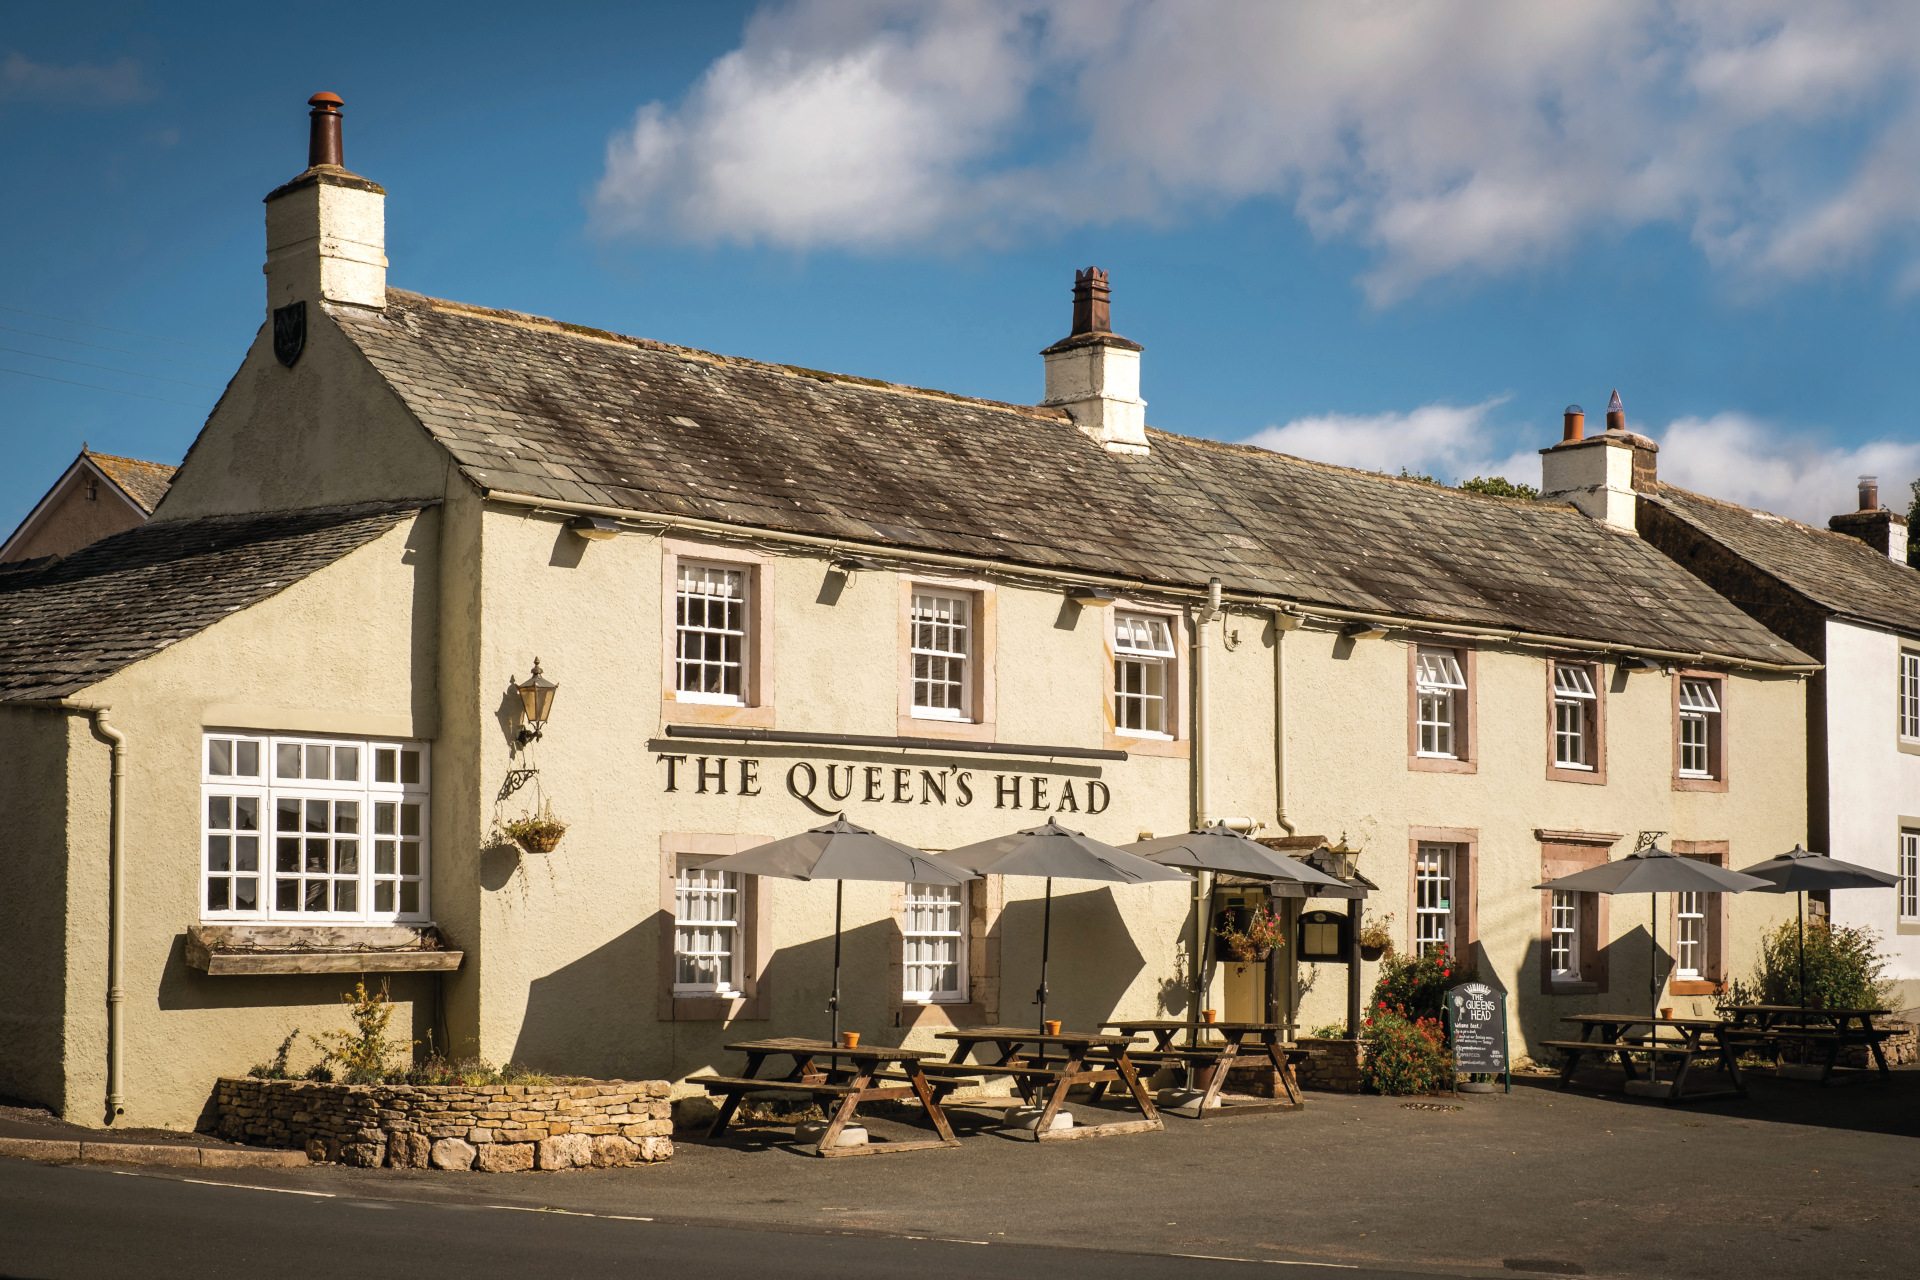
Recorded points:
(1575, 712)
(1910, 694)
(1690, 936)
(688, 571)
(1907, 891)
(1146, 665)
(391, 785)
(1563, 936)
(1699, 709)
(921, 905)
(941, 670)
(694, 884)
(1438, 683)
(1434, 869)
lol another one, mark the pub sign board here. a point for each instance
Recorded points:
(1323, 936)
(1477, 1014)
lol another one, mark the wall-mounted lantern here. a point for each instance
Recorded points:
(536, 703)
(1363, 631)
(851, 565)
(594, 528)
(1091, 597)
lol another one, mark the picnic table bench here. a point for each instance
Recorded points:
(1221, 1054)
(1696, 1040)
(817, 1074)
(1830, 1029)
(1036, 1077)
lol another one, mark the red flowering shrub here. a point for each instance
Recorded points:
(1415, 987)
(1406, 1057)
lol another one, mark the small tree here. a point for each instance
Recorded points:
(1844, 966)
(363, 1053)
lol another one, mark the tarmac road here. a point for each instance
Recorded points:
(72, 1222)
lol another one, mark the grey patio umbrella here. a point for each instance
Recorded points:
(1222, 850)
(841, 851)
(1654, 871)
(1051, 850)
(1801, 872)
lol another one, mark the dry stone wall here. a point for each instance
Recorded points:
(491, 1128)
(1332, 1065)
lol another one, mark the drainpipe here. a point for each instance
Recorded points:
(116, 919)
(1282, 623)
(1202, 800)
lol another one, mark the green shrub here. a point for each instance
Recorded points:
(1415, 987)
(277, 1069)
(362, 1054)
(1845, 968)
(1406, 1056)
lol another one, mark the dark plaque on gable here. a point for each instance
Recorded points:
(1478, 1014)
(289, 332)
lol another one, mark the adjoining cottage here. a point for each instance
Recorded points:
(263, 744)
(1846, 595)
(97, 496)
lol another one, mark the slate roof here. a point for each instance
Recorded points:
(529, 406)
(145, 482)
(1836, 573)
(71, 622)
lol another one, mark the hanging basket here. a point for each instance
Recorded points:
(537, 837)
(1371, 953)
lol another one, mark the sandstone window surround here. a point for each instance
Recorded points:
(1699, 731)
(1577, 921)
(1909, 703)
(948, 646)
(1698, 923)
(1907, 866)
(1443, 872)
(1441, 686)
(983, 899)
(717, 632)
(1146, 694)
(745, 994)
(313, 830)
(1576, 721)
(934, 930)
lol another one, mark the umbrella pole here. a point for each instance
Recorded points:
(1046, 938)
(1800, 919)
(833, 1002)
(1653, 982)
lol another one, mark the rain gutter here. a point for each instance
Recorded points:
(661, 523)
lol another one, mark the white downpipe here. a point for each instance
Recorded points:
(1282, 623)
(116, 919)
(1202, 798)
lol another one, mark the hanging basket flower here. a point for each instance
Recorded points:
(537, 832)
(1254, 940)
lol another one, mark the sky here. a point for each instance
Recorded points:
(1382, 233)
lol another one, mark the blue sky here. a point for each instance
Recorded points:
(1387, 235)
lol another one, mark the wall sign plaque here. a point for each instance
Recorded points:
(1323, 936)
(289, 332)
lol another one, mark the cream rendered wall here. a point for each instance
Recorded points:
(327, 431)
(39, 750)
(1871, 785)
(570, 977)
(350, 649)
(71, 520)
(1347, 772)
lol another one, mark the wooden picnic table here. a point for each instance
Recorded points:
(1831, 1029)
(1695, 1040)
(1057, 1072)
(817, 1074)
(1220, 1054)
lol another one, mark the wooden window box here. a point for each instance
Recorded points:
(219, 950)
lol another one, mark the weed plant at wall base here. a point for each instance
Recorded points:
(363, 1053)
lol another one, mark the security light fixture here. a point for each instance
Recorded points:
(1091, 597)
(1634, 662)
(594, 528)
(854, 564)
(536, 703)
(1363, 631)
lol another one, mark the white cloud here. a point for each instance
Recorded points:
(1731, 456)
(22, 80)
(1758, 464)
(1470, 136)
(1450, 442)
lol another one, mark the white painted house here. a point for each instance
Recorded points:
(1846, 595)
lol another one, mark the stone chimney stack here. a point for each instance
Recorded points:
(326, 229)
(1094, 373)
(1883, 530)
(1600, 474)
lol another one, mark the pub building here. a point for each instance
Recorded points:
(265, 743)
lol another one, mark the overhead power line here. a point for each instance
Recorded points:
(75, 342)
(107, 368)
(138, 395)
(41, 315)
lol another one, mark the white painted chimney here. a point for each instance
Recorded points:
(1885, 531)
(1600, 474)
(1094, 373)
(326, 229)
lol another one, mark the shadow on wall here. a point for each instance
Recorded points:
(1539, 1014)
(1092, 961)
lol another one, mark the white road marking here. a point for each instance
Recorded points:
(246, 1186)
